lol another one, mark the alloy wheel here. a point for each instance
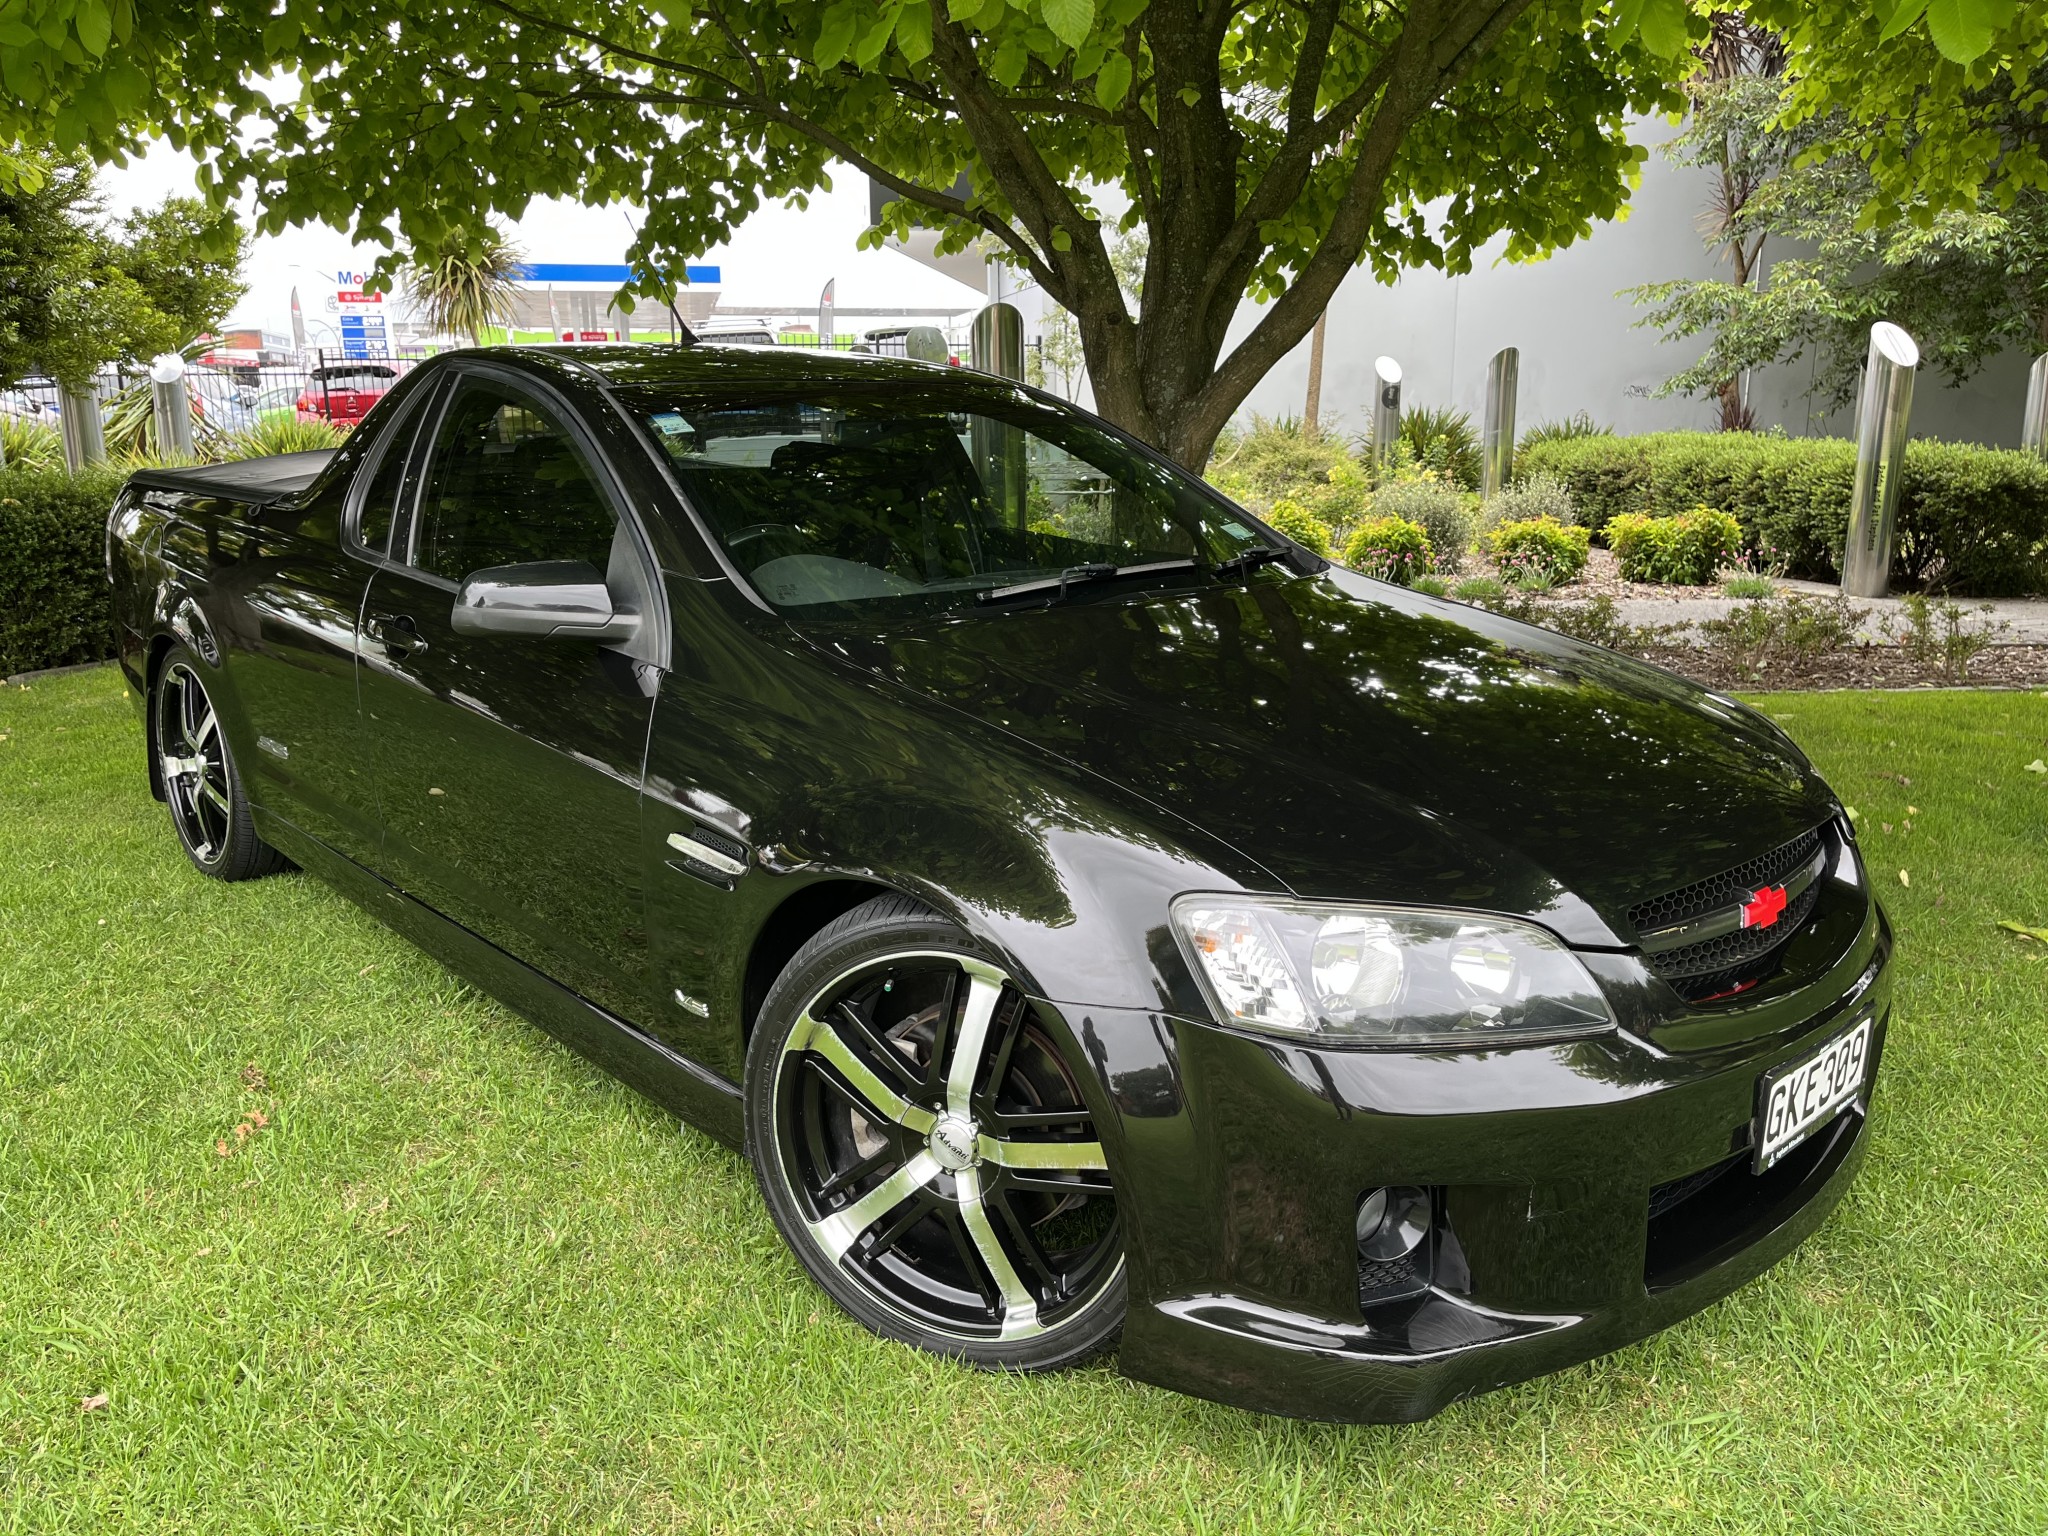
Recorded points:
(194, 761)
(940, 1152)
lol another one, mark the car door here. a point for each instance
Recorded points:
(509, 766)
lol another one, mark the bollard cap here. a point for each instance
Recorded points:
(1388, 370)
(1893, 344)
(166, 368)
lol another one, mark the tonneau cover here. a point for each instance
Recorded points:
(258, 482)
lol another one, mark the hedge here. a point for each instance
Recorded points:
(54, 607)
(1971, 520)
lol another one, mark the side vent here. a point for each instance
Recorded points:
(712, 856)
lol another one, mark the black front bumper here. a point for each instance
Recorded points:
(1586, 1195)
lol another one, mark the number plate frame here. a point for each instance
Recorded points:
(1802, 1079)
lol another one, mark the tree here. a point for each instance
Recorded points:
(75, 295)
(465, 282)
(1267, 146)
(1966, 283)
(1057, 358)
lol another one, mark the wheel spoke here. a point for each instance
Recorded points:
(1050, 1280)
(815, 1035)
(1045, 1156)
(214, 796)
(1020, 1307)
(984, 989)
(852, 1027)
(1036, 1119)
(182, 767)
(845, 1178)
(842, 1229)
(207, 726)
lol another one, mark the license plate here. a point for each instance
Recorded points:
(1797, 1099)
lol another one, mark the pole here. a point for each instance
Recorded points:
(1386, 407)
(1882, 413)
(171, 403)
(996, 447)
(2034, 425)
(1312, 407)
(1497, 437)
(320, 369)
(85, 441)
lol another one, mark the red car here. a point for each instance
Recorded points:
(344, 392)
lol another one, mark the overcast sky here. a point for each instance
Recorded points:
(780, 256)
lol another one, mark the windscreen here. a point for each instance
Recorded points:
(899, 496)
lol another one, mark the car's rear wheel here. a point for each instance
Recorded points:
(209, 812)
(926, 1150)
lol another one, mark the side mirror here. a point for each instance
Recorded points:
(542, 597)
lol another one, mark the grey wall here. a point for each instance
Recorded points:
(1581, 350)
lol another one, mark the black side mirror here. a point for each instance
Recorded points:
(541, 597)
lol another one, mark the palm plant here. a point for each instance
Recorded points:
(465, 282)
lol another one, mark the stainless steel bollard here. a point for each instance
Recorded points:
(1881, 425)
(170, 404)
(1386, 407)
(85, 439)
(1497, 435)
(997, 341)
(2034, 425)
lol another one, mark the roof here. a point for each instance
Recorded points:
(627, 365)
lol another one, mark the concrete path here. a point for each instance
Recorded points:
(2026, 617)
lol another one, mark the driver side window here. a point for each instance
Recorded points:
(506, 484)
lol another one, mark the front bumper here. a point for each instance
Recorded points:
(1240, 1162)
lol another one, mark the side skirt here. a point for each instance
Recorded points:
(683, 1087)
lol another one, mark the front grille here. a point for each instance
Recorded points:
(1391, 1279)
(1666, 1197)
(1733, 961)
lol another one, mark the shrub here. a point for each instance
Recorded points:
(30, 444)
(1536, 496)
(1596, 621)
(1434, 586)
(1434, 506)
(1477, 587)
(1578, 424)
(1299, 524)
(1790, 627)
(1391, 548)
(1942, 635)
(54, 607)
(1538, 551)
(1271, 461)
(1749, 585)
(1971, 520)
(1443, 441)
(1674, 551)
(284, 434)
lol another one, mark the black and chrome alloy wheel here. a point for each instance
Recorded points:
(201, 788)
(928, 1153)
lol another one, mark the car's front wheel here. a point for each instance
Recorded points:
(208, 809)
(926, 1150)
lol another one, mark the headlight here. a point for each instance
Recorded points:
(1385, 975)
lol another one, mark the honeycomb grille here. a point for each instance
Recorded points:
(1724, 889)
(1733, 960)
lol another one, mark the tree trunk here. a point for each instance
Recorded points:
(1312, 408)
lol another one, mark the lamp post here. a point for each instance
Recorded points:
(1386, 407)
(171, 404)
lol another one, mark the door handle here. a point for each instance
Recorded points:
(396, 632)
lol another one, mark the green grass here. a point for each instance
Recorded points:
(462, 1281)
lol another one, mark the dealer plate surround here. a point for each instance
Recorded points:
(1798, 1098)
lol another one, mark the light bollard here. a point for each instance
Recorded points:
(85, 439)
(1497, 435)
(1386, 407)
(170, 404)
(2034, 425)
(1882, 413)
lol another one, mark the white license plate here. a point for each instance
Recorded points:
(1795, 1100)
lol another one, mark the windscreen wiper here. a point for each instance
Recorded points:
(1054, 588)
(1245, 561)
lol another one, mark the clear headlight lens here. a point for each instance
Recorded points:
(1386, 975)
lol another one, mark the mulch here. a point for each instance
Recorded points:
(1862, 666)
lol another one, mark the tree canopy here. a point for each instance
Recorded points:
(1268, 147)
(76, 293)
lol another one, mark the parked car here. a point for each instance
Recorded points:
(1094, 915)
(280, 402)
(344, 392)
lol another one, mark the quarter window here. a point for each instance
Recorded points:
(507, 484)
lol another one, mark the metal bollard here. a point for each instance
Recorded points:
(1497, 436)
(1881, 428)
(997, 448)
(997, 341)
(2034, 425)
(171, 404)
(1386, 407)
(85, 439)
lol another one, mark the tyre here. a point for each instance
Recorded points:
(925, 1149)
(201, 787)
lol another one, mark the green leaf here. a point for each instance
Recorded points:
(1011, 57)
(836, 36)
(1628, 14)
(2022, 929)
(1069, 19)
(1961, 29)
(914, 30)
(1189, 95)
(1061, 240)
(95, 25)
(1113, 80)
(1663, 25)
(1902, 15)
(960, 10)
(875, 39)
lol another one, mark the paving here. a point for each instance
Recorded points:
(2025, 618)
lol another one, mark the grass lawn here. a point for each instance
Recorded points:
(449, 1277)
